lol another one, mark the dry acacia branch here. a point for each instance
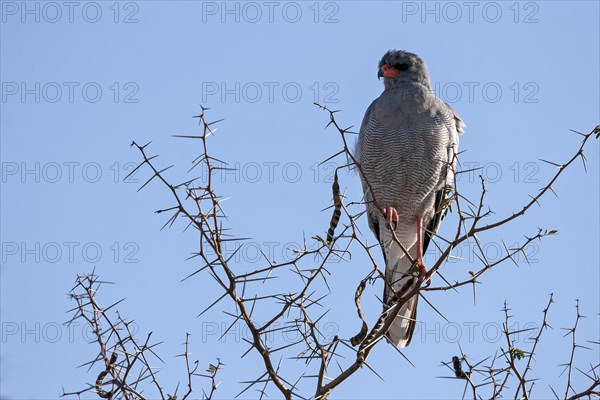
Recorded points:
(126, 362)
(501, 379)
(195, 202)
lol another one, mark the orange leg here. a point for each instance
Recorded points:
(420, 264)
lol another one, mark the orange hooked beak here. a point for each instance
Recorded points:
(387, 72)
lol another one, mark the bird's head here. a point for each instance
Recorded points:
(399, 67)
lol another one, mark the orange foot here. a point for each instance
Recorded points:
(422, 271)
(391, 214)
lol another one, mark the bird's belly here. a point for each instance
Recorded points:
(406, 174)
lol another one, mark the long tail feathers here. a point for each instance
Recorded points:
(397, 267)
(401, 331)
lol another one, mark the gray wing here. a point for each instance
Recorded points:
(372, 217)
(455, 127)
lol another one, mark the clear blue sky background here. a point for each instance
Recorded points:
(78, 86)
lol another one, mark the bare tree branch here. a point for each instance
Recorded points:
(298, 307)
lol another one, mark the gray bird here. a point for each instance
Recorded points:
(406, 151)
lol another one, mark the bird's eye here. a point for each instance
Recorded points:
(401, 67)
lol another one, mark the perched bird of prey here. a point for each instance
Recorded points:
(406, 151)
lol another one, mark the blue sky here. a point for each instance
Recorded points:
(81, 80)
